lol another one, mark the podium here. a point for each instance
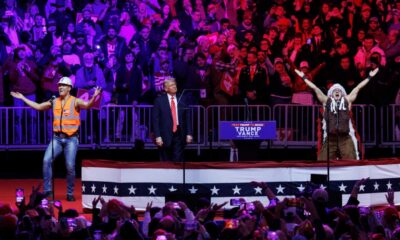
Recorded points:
(247, 135)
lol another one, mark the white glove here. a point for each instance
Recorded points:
(373, 72)
(300, 73)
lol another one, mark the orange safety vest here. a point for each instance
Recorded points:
(66, 118)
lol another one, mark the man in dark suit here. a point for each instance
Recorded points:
(253, 89)
(253, 81)
(321, 44)
(112, 43)
(171, 124)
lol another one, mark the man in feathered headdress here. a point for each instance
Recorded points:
(338, 131)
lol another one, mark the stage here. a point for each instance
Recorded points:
(136, 183)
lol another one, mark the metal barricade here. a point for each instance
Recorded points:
(26, 128)
(198, 116)
(116, 125)
(22, 128)
(122, 126)
(365, 120)
(217, 113)
(88, 131)
(390, 125)
(125, 126)
(4, 127)
(297, 125)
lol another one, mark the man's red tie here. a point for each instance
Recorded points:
(173, 112)
(252, 72)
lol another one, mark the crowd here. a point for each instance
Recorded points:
(304, 217)
(220, 51)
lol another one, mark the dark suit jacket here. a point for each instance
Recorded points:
(258, 84)
(325, 44)
(162, 119)
(129, 90)
(120, 48)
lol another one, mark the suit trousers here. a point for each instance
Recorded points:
(174, 152)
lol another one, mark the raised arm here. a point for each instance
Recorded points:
(86, 105)
(353, 200)
(320, 95)
(104, 12)
(353, 95)
(268, 192)
(37, 106)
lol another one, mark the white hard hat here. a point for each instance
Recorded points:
(66, 81)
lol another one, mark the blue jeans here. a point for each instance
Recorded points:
(69, 146)
(31, 126)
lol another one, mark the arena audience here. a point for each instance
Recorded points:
(309, 215)
(338, 34)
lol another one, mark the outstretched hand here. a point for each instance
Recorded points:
(217, 207)
(263, 185)
(361, 182)
(373, 72)
(390, 197)
(149, 206)
(97, 91)
(299, 73)
(33, 195)
(17, 95)
(96, 201)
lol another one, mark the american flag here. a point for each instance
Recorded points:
(138, 183)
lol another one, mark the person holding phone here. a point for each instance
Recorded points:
(19, 196)
(44, 203)
(57, 204)
(66, 122)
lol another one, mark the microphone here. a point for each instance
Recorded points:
(187, 90)
(247, 112)
(51, 100)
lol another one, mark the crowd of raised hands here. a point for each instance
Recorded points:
(307, 216)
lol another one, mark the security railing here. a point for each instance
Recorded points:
(299, 126)
(296, 125)
(125, 126)
(390, 125)
(365, 120)
(119, 126)
(25, 128)
(22, 127)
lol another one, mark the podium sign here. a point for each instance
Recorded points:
(247, 130)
